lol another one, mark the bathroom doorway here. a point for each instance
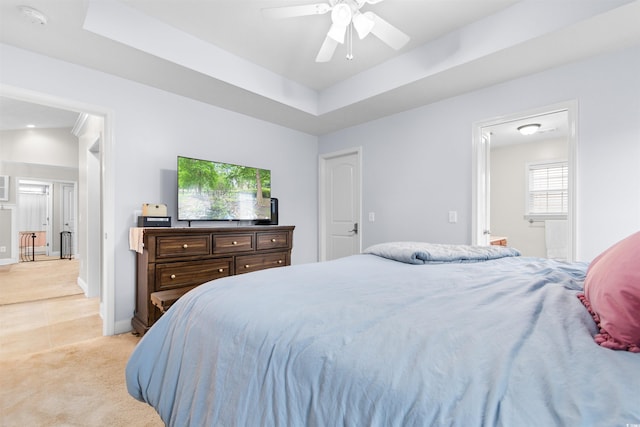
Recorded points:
(524, 182)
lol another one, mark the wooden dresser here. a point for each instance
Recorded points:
(175, 260)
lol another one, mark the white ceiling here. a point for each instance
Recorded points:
(225, 53)
(16, 114)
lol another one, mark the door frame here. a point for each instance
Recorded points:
(480, 202)
(106, 222)
(322, 203)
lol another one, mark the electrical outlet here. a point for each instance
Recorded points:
(372, 216)
(453, 217)
(3, 249)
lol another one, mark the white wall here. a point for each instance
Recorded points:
(150, 128)
(55, 147)
(417, 164)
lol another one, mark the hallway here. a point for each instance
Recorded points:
(42, 307)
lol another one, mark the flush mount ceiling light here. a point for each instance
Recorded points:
(33, 15)
(529, 129)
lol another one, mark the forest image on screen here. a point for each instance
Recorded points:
(222, 191)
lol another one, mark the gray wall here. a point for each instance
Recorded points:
(417, 164)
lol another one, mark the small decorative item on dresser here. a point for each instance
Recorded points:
(154, 221)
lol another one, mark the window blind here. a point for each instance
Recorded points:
(548, 189)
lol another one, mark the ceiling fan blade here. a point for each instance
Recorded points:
(387, 32)
(293, 11)
(326, 50)
(362, 2)
(337, 33)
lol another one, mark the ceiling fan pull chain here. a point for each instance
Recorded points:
(350, 42)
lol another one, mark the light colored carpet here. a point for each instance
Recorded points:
(81, 384)
(34, 281)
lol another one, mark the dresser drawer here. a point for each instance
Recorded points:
(273, 240)
(170, 247)
(177, 274)
(232, 243)
(249, 263)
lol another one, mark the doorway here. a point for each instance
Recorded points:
(34, 218)
(524, 184)
(340, 204)
(104, 222)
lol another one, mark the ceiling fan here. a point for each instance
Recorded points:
(345, 16)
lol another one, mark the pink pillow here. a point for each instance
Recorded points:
(612, 294)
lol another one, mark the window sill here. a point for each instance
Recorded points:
(543, 217)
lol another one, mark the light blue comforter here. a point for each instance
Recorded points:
(367, 341)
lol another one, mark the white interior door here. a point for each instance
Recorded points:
(68, 208)
(340, 205)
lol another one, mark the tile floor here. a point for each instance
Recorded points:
(41, 325)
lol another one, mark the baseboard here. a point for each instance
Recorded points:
(122, 327)
(8, 261)
(83, 285)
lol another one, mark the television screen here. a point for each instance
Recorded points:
(210, 191)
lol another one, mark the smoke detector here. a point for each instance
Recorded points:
(33, 15)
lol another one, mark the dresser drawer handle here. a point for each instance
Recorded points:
(273, 240)
(279, 261)
(220, 270)
(246, 266)
(173, 276)
(234, 243)
(185, 246)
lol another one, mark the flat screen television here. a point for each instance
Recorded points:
(215, 191)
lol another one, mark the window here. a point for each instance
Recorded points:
(4, 188)
(548, 193)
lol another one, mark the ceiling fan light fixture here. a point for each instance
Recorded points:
(362, 24)
(529, 129)
(341, 14)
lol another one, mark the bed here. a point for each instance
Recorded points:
(406, 334)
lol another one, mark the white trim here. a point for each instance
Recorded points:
(4, 188)
(83, 285)
(13, 255)
(481, 161)
(108, 214)
(108, 230)
(480, 186)
(322, 161)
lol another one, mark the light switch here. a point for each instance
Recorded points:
(372, 216)
(453, 217)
